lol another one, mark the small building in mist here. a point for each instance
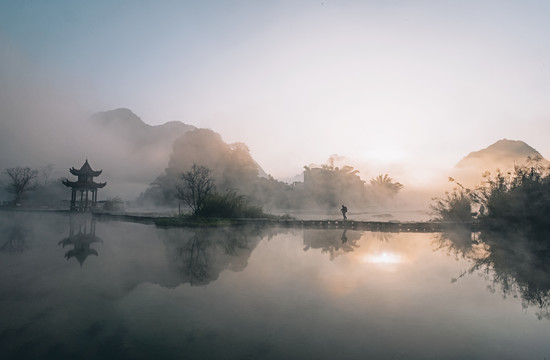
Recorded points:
(86, 186)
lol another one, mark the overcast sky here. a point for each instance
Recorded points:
(375, 81)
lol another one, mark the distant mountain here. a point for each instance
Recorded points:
(130, 152)
(133, 153)
(128, 127)
(503, 154)
(231, 165)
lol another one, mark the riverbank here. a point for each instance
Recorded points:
(383, 226)
(174, 221)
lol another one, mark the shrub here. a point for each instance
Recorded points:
(113, 204)
(229, 205)
(520, 199)
(513, 200)
(456, 206)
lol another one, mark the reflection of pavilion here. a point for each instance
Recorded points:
(81, 237)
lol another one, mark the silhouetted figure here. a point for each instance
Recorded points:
(344, 210)
(344, 238)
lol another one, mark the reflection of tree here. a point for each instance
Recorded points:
(14, 239)
(331, 241)
(459, 241)
(383, 236)
(81, 237)
(517, 263)
(194, 258)
(201, 254)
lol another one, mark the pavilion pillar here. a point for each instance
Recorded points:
(71, 226)
(73, 198)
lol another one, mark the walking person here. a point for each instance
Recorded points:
(344, 210)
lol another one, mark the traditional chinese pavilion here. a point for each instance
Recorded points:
(86, 185)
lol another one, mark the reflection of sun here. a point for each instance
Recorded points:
(383, 258)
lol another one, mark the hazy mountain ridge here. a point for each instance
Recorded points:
(504, 153)
(131, 152)
(129, 127)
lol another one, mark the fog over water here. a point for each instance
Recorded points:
(293, 109)
(249, 292)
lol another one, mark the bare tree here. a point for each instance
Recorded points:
(197, 185)
(21, 180)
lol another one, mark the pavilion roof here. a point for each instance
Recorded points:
(86, 169)
(83, 185)
(80, 254)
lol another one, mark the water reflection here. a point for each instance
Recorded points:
(331, 241)
(200, 255)
(13, 239)
(460, 242)
(81, 237)
(278, 302)
(516, 263)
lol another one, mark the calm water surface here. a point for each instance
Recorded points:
(71, 287)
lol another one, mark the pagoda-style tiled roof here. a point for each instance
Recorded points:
(84, 185)
(81, 246)
(85, 170)
(80, 254)
(85, 178)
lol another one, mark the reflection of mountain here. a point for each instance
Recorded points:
(332, 241)
(81, 237)
(517, 262)
(200, 255)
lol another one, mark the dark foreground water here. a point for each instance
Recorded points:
(73, 288)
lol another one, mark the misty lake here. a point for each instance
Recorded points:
(74, 287)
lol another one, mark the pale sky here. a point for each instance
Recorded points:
(403, 82)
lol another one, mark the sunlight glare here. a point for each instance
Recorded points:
(383, 258)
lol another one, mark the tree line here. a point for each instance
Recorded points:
(234, 178)
(232, 168)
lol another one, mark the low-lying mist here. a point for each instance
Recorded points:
(46, 131)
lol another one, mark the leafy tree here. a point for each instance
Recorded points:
(328, 186)
(231, 165)
(512, 200)
(114, 204)
(21, 180)
(385, 186)
(517, 199)
(197, 186)
(456, 206)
